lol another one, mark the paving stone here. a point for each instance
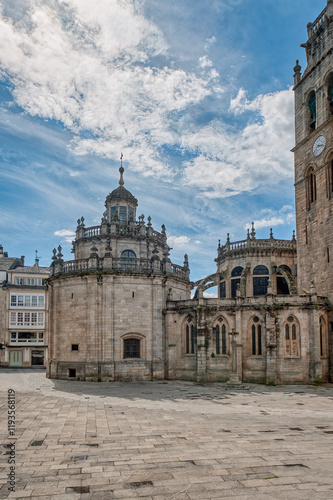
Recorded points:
(174, 435)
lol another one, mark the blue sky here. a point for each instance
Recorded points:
(196, 94)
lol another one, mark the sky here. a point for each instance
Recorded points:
(196, 94)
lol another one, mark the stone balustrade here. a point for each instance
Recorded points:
(256, 244)
(110, 264)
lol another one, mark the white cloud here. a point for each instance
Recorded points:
(229, 162)
(86, 64)
(204, 62)
(66, 234)
(179, 242)
(271, 218)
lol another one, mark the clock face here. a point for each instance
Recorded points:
(319, 145)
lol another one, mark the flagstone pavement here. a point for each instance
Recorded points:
(165, 440)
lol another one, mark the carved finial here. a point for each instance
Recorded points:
(271, 234)
(219, 245)
(228, 238)
(294, 235)
(121, 170)
(163, 229)
(54, 254)
(149, 221)
(248, 234)
(253, 232)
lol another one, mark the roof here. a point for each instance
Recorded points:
(122, 194)
(31, 270)
(9, 263)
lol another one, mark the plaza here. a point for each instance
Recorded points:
(171, 440)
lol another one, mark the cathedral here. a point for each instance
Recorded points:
(121, 310)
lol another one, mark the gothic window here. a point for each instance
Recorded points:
(311, 187)
(223, 292)
(190, 340)
(260, 280)
(323, 338)
(312, 103)
(256, 337)
(131, 348)
(292, 337)
(221, 332)
(128, 260)
(235, 279)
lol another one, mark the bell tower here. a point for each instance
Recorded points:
(314, 158)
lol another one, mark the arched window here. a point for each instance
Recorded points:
(221, 336)
(323, 338)
(256, 337)
(131, 348)
(282, 287)
(311, 186)
(235, 279)
(190, 340)
(128, 260)
(312, 103)
(260, 280)
(292, 338)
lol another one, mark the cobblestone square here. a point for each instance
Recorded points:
(166, 440)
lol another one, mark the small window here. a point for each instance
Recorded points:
(190, 339)
(34, 301)
(41, 301)
(312, 103)
(20, 301)
(20, 281)
(131, 348)
(256, 337)
(75, 347)
(223, 292)
(220, 337)
(128, 259)
(292, 338)
(27, 301)
(113, 213)
(260, 283)
(13, 300)
(123, 215)
(71, 373)
(40, 282)
(31, 281)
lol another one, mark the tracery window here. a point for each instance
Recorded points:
(292, 337)
(190, 340)
(221, 332)
(128, 260)
(235, 279)
(256, 337)
(260, 280)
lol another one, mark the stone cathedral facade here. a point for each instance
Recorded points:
(121, 310)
